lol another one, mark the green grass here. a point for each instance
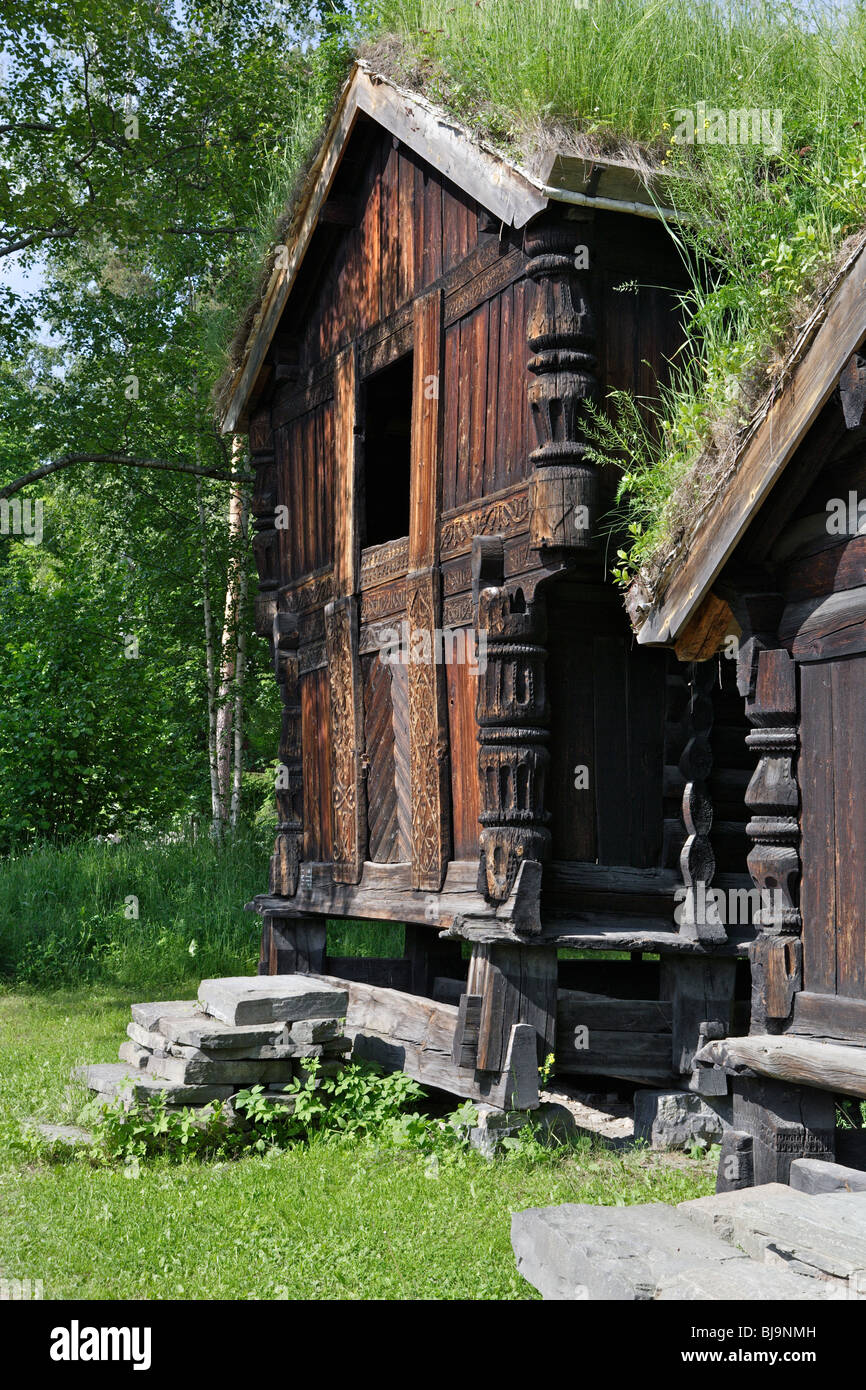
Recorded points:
(64, 913)
(323, 1221)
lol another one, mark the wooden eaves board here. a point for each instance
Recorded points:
(764, 458)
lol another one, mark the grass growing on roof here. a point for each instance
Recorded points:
(768, 225)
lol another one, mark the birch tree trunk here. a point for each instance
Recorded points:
(226, 693)
(240, 661)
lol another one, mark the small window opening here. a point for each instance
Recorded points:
(387, 433)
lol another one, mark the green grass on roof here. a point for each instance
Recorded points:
(769, 224)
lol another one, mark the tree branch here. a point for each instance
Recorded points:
(125, 461)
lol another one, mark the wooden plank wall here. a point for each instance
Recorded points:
(607, 701)
(833, 779)
(412, 227)
(305, 463)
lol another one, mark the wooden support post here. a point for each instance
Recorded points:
(701, 991)
(786, 1122)
(564, 485)
(349, 805)
(512, 714)
(767, 677)
(516, 984)
(428, 714)
(292, 945)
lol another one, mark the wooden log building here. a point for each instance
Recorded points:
(528, 780)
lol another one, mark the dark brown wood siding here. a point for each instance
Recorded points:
(316, 736)
(607, 702)
(305, 460)
(833, 786)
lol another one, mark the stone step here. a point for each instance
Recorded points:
(271, 998)
(158, 1045)
(620, 1253)
(196, 1029)
(820, 1237)
(203, 1071)
(650, 1252)
(120, 1081)
(814, 1175)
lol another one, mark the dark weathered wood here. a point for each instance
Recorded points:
(786, 1122)
(465, 1050)
(699, 991)
(817, 759)
(829, 1016)
(404, 1032)
(371, 970)
(517, 985)
(292, 946)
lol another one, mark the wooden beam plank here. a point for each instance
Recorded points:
(404, 1032)
(764, 457)
(828, 1066)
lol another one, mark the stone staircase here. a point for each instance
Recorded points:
(240, 1032)
(769, 1242)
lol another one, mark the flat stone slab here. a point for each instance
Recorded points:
(318, 1030)
(743, 1280)
(196, 1029)
(620, 1253)
(148, 1015)
(822, 1237)
(119, 1081)
(143, 1037)
(203, 1071)
(71, 1135)
(813, 1176)
(271, 999)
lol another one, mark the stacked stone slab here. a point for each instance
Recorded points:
(768, 1242)
(241, 1032)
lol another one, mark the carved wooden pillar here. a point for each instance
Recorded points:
(564, 485)
(349, 802)
(511, 711)
(428, 712)
(699, 920)
(767, 678)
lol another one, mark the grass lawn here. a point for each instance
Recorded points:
(324, 1221)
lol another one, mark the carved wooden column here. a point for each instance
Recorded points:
(767, 678)
(511, 711)
(564, 485)
(428, 713)
(699, 920)
(349, 803)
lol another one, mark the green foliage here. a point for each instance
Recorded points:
(67, 916)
